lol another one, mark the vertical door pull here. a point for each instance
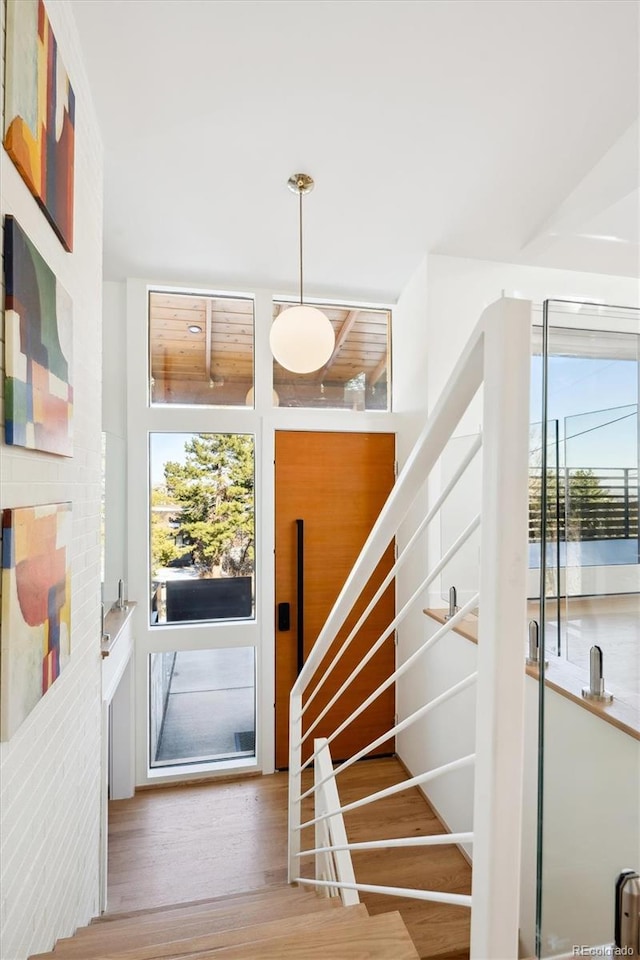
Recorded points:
(300, 592)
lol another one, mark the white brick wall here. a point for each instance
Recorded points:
(50, 770)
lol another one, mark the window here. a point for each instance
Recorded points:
(356, 376)
(202, 706)
(200, 349)
(202, 526)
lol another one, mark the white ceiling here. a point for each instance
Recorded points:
(496, 129)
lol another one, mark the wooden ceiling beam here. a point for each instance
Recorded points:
(345, 329)
(375, 374)
(207, 340)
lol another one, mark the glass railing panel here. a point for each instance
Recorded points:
(546, 499)
(602, 566)
(588, 769)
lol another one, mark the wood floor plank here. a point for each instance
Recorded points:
(188, 843)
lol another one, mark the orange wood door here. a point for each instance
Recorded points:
(336, 483)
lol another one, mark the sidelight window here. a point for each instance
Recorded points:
(202, 527)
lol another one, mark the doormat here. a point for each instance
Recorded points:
(245, 741)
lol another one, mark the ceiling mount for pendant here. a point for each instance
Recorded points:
(301, 183)
(301, 337)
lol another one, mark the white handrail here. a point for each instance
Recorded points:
(497, 353)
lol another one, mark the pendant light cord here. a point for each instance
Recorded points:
(300, 232)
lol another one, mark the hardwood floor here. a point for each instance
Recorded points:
(194, 842)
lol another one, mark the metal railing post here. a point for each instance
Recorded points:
(500, 685)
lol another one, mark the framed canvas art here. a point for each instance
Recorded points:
(38, 346)
(36, 607)
(39, 133)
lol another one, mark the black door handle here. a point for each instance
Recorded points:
(300, 592)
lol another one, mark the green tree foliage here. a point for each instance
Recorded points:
(215, 491)
(163, 534)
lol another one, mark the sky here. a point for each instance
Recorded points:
(600, 397)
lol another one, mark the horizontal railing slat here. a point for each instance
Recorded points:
(404, 554)
(434, 840)
(397, 787)
(397, 620)
(434, 896)
(442, 631)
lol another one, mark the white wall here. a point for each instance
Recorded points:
(410, 357)
(50, 769)
(448, 732)
(460, 289)
(591, 823)
(410, 405)
(114, 425)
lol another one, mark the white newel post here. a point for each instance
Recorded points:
(500, 689)
(295, 783)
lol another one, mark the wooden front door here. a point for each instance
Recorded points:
(336, 484)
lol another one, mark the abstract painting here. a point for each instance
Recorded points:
(38, 341)
(36, 602)
(39, 133)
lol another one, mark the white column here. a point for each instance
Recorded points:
(500, 698)
(295, 784)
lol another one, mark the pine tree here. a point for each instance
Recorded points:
(215, 490)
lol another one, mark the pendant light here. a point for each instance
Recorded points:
(301, 338)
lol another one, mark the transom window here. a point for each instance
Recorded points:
(357, 374)
(200, 349)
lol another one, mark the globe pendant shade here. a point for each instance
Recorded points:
(302, 339)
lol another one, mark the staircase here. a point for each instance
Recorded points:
(332, 693)
(274, 923)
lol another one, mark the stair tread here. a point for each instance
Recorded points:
(384, 937)
(259, 895)
(269, 929)
(92, 941)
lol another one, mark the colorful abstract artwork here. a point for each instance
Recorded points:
(38, 342)
(39, 133)
(36, 607)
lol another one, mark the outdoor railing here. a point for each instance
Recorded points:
(497, 356)
(587, 503)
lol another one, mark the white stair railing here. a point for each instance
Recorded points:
(497, 356)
